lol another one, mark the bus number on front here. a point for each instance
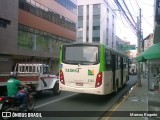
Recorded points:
(90, 80)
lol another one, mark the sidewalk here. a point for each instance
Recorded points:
(138, 102)
(154, 103)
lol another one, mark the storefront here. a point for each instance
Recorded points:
(151, 57)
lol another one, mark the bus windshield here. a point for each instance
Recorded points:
(79, 54)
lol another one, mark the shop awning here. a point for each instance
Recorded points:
(140, 58)
(151, 53)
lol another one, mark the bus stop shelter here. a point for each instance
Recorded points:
(152, 57)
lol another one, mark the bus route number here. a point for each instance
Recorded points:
(90, 80)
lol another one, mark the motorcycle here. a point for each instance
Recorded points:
(12, 104)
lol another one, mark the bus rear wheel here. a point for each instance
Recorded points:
(116, 88)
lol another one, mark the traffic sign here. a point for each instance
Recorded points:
(128, 47)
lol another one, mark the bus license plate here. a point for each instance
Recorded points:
(79, 84)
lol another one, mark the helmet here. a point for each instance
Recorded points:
(13, 75)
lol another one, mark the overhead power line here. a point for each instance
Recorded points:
(148, 16)
(137, 4)
(148, 23)
(117, 10)
(132, 7)
(126, 16)
(129, 12)
(148, 4)
(123, 21)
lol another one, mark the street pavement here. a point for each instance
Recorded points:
(137, 105)
(133, 106)
(70, 102)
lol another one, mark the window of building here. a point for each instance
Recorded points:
(68, 4)
(80, 16)
(4, 22)
(117, 45)
(37, 40)
(80, 24)
(80, 10)
(107, 36)
(112, 40)
(96, 39)
(108, 60)
(42, 11)
(96, 9)
(96, 23)
(87, 25)
(96, 27)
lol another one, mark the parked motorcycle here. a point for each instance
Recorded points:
(11, 104)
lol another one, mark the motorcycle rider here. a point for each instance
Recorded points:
(13, 89)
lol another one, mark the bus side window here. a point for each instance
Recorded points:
(124, 63)
(118, 62)
(108, 60)
(113, 61)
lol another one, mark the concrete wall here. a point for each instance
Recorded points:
(8, 39)
(9, 49)
(33, 21)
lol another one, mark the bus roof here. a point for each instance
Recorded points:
(81, 43)
(107, 47)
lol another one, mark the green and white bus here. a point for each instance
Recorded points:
(92, 68)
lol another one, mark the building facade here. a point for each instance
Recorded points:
(96, 22)
(156, 21)
(33, 30)
(148, 41)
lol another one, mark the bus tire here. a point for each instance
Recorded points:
(56, 90)
(39, 92)
(124, 84)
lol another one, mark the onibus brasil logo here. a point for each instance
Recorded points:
(15, 114)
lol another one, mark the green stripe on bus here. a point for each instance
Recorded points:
(102, 58)
(60, 54)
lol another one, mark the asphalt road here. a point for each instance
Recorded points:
(67, 105)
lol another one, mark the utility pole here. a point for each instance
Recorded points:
(139, 36)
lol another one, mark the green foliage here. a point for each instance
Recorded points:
(31, 41)
(24, 40)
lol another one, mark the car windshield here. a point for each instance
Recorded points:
(80, 54)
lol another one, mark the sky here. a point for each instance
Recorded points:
(123, 29)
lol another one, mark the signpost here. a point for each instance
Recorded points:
(128, 47)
